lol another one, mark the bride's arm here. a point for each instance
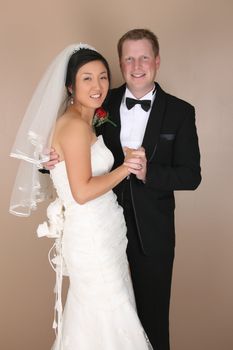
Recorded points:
(75, 142)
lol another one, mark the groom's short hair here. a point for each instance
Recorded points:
(139, 34)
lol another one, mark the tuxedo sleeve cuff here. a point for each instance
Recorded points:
(44, 171)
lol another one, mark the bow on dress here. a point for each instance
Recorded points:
(54, 229)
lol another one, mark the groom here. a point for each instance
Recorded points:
(168, 160)
(165, 127)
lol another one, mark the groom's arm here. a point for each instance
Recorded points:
(184, 172)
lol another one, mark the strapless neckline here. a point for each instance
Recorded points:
(99, 138)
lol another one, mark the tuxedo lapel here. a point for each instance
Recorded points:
(154, 123)
(115, 104)
(112, 134)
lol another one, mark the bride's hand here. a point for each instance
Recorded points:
(136, 162)
(128, 153)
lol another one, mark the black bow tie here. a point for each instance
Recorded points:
(131, 102)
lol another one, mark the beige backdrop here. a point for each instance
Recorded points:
(197, 56)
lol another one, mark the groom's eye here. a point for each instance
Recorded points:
(129, 59)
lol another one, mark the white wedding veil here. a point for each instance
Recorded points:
(33, 138)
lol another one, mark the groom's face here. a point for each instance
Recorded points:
(139, 66)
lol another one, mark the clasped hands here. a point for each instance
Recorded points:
(135, 160)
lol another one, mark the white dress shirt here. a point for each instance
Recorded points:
(134, 120)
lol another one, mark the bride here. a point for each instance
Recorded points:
(85, 219)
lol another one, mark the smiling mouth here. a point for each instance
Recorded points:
(139, 75)
(96, 96)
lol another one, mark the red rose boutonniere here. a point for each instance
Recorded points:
(101, 116)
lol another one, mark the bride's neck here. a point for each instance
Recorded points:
(83, 112)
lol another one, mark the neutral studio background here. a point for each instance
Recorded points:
(197, 55)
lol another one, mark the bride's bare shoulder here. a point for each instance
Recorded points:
(70, 123)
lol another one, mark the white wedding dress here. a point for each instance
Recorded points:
(100, 312)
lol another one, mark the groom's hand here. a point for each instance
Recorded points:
(136, 162)
(54, 159)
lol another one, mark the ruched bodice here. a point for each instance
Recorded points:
(101, 163)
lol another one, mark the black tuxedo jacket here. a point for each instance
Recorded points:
(173, 163)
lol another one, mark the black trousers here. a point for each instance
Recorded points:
(151, 277)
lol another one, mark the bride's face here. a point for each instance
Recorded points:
(91, 85)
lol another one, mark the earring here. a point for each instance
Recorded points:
(71, 97)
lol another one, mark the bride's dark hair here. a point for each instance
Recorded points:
(77, 60)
